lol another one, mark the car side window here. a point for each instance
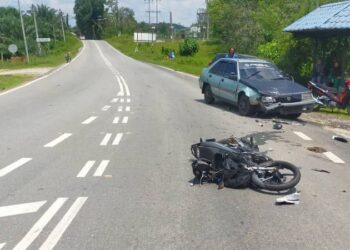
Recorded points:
(218, 69)
(230, 69)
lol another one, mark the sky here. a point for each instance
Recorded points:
(184, 11)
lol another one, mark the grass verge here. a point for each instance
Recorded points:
(153, 53)
(10, 81)
(342, 113)
(54, 57)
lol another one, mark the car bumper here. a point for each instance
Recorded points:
(289, 108)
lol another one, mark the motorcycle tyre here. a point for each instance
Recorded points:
(285, 186)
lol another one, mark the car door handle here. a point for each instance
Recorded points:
(223, 79)
(210, 76)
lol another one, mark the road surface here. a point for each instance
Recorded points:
(96, 156)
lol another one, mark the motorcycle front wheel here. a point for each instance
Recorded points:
(283, 176)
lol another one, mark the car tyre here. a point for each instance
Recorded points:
(208, 95)
(244, 106)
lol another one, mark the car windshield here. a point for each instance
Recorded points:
(260, 71)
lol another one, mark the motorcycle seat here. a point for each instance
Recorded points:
(325, 87)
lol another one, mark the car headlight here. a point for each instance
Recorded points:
(306, 96)
(268, 99)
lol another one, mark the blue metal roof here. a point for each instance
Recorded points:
(335, 16)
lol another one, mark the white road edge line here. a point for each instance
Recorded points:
(105, 108)
(4, 171)
(40, 224)
(116, 120)
(101, 168)
(89, 120)
(126, 86)
(125, 119)
(58, 140)
(2, 245)
(85, 170)
(117, 139)
(45, 76)
(333, 158)
(62, 226)
(25, 208)
(302, 136)
(106, 139)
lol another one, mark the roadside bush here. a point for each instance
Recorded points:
(166, 51)
(189, 47)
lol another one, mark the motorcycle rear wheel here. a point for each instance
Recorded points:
(348, 108)
(277, 181)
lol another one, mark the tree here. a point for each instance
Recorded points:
(89, 16)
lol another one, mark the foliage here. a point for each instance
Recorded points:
(89, 16)
(48, 22)
(10, 81)
(189, 47)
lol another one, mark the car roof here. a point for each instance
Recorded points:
(240, 56)
(250, 60)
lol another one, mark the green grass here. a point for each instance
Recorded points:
(10, 81)
(336, 112)
(153, 54)
(53, 58)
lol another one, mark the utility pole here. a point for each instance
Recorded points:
(208, 20)
(64, 35)
(149, 11)
(24, 33)
(171, 26)
(36, 31)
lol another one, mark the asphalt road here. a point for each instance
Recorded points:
(96, 156)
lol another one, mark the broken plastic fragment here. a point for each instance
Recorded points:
(339, 138)
(289, 199)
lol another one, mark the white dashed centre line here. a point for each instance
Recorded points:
(4, 171)
(120, 109)
(105, 108)
(125, 119)
(334, 158)
(89, 120)
(115, 100)
(106, 139)
(122, 100)
(101, 168)
(128, 100)
(2, 245)
(302, 136)
(116, 120)
(117, 139)
(127, 109)
(58, 140)
(85, 170)
(62, 226)
(40, 224)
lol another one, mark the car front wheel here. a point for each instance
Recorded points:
(208, 95)
(244, 106)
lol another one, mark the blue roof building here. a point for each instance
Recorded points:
(329, 19)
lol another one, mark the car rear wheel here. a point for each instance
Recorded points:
(208, 95)
(244, 106)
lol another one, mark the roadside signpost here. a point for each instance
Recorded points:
(43, 40)
(13, 48)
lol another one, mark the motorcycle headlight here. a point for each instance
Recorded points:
(268, 99)
(306, 96)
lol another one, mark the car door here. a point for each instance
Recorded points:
(229, 82)
(215, 76)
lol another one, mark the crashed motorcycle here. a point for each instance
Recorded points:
(327, 97)
(238, 163)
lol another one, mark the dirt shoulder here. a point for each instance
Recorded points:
(330, 122)
(29, 71)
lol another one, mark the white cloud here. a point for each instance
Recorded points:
(184, 11)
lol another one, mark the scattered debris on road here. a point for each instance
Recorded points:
(320, 170)
(277, 126)
(281, 121)
(339, 138)
(289, 199)
(318, 150)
